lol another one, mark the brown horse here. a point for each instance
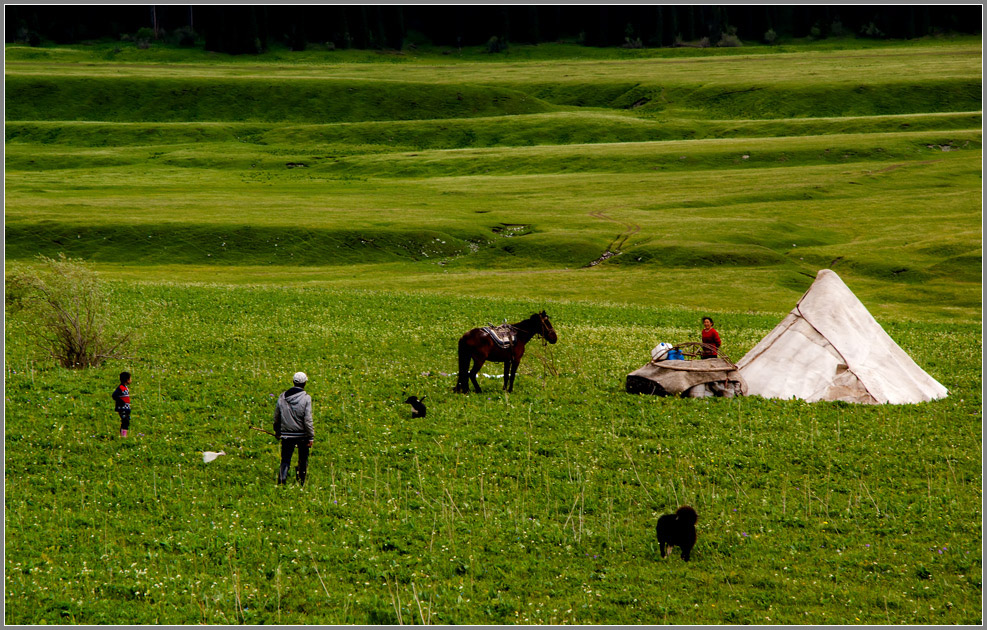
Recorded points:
(478, 346)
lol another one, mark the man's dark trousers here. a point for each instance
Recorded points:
(287, 448)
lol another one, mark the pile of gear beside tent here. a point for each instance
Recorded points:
(671, 372)
(829, 347)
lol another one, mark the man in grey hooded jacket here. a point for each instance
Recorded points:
(294, 427)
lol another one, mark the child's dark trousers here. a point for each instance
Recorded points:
(124, 419)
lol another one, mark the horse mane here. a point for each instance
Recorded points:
(531, 323)
(531, 326)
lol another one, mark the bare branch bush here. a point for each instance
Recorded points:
(68, 310)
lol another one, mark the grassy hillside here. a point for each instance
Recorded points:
(658, 170)
(895, 207)
(351, 213)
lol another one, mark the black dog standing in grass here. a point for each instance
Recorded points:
(417, 406)
(677, 530)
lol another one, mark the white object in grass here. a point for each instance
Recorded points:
(208, 456)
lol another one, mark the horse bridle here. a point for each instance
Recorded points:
(544, 327)
(550, 364)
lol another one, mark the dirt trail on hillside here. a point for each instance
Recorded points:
(616, 245)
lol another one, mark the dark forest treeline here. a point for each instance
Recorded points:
(251, 29)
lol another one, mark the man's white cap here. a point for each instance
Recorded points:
(299, 378)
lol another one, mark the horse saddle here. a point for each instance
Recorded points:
(504, 335)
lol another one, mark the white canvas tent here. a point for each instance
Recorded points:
(831, 348)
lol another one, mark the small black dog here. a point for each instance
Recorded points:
(417, 406)
(677, 530)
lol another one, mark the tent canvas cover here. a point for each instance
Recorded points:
(829, 347)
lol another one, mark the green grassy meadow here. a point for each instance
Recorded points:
(351, 214)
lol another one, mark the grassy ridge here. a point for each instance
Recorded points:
(243, 244)
(533, 508)
(743, 101)
(192, 99)
(861, 63)
(713, 83)
(602, 156)
(558, 128)
(642, 157)
(124, 55)
(322, 101)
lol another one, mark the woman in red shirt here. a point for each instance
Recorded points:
(711, 339)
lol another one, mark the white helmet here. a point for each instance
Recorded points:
(299, 378)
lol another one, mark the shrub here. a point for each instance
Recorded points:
(770, 36)
(629, 40)
(837, 29)
(496, 45)
(143, 37)
(184, 36)
(70, 312)
(871, 30)
(729, 40)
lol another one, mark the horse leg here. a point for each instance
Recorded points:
(462, 379)
(514, 364)
(477, 364)
(507, 372)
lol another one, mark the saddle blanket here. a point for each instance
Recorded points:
(504, 335)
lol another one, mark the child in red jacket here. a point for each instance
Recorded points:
(121, 396)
